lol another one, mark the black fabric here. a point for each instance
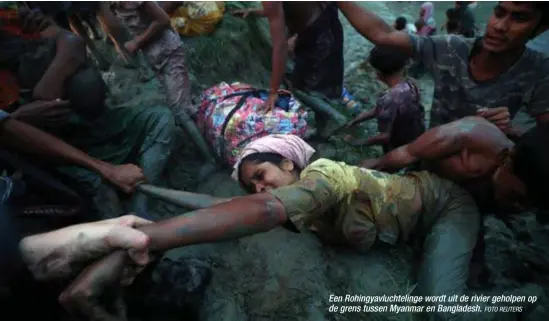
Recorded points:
(10, 259)
(319, 55)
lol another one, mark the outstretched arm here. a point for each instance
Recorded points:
(274, 12)
(28, 139)
(190, 200)
(373, 28)
(436, 143)
(160, 22)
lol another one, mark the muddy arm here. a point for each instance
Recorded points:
(373, 28)
(189, 200)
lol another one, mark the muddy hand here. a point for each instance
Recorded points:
(126, 177)
(499, 116)
(269, 104)
(83, 296)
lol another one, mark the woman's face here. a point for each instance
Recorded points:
(262, 177)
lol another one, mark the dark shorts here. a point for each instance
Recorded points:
(319, 56)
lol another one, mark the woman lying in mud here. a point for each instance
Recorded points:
(341, 204)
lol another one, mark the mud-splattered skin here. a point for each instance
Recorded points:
(466, 149)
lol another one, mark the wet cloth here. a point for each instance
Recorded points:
(457, 94)
(319, 55)
(229, 119)
(196, 18)
(167, 57)
(356, 206)
(429, 23)
(138, 134)
(291, 147)
(401, 114)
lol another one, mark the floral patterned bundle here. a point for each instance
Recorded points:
(229, 117)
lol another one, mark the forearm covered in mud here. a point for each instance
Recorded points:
(373, 28)
(188, 200)
(29, 139)
(231, 220)
(277, 26)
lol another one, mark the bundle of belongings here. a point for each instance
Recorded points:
(230, 117)
(196, 18)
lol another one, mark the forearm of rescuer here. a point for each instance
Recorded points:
(436, 143)
(29, 139)
(373, 28)
(241, 217)
(274, 12)
(160, 22)
(189, 200)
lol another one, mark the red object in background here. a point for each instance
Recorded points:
(9, 90)
(11, 24)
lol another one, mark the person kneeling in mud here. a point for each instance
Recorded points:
(399, 112)
(341, 204)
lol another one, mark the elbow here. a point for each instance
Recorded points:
(273, 210)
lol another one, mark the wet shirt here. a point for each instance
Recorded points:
(349, 205)
(457, 94)
(157, 51)
(401, 114)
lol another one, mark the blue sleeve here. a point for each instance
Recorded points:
(10, 259)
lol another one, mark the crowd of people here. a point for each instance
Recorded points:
(60, 140)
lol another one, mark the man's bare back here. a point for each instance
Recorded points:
(463, 151)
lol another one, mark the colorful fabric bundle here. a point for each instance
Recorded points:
(230, 117)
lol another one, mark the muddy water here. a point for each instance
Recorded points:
(284, 276)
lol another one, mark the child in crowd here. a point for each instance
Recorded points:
(399, 112)
(452, 24)
(426, 24)
(402, 24)
(152, 32)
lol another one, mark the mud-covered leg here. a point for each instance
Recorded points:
(448, 249)
(178, 91)
(155, 151)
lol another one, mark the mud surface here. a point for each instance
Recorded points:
(284, 276)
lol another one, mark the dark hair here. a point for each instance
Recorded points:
(452, 14)
(540, 6)
(400, 23)
(388, 61)
(531, 164)
(259, 158)
(87, 92)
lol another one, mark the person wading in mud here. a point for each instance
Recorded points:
(341, 204)
(313, 32)
(491, 76)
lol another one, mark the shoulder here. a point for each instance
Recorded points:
(338, 175)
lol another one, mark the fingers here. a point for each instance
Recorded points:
(127, 238)
(133, 221)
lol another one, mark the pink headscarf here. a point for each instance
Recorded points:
(429, 23)
(427, 11)
(291, 147)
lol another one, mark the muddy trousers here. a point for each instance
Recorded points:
(449, 228)
(175, 78)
